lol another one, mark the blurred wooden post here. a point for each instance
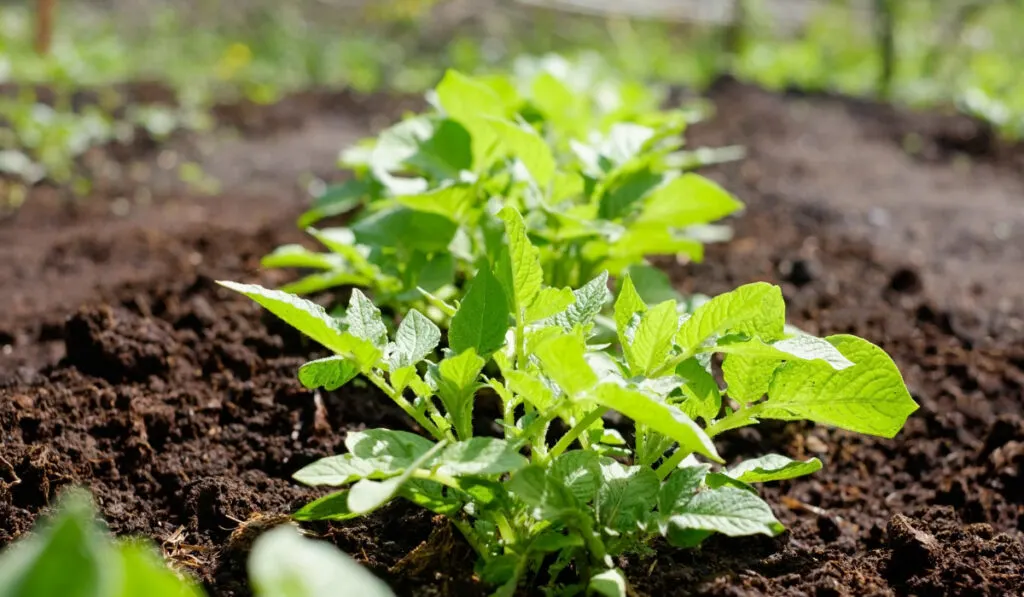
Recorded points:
(885, 32)
(44, 25)
(736, 32)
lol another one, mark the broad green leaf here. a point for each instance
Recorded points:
(364, 320)
(398, 143)
(462, 371)
(446, 153)
(524, 144)
(547, 498)
(374, 453)
(482, 318)
(530, 387)
(404, 228)
(772, 467)
(562, 360)
(688, 200)
(454, 202)
(610, 583)
(549, 302)
(800, 346)
(307, 317)
(527, 275)
(336, 200)
(624, 142)
(462, 96)
(146, 573)
(663, 418)
(342, 241)
(680, 486)
(756, 310)
(625, 495)
(324, 280)
(653, 338)
(559, 104)
(619, 200)
(627, 306)
(579, 471)
(457, 384)
(299, 256)
(67, 556)
(416, 337)
(869, 397)
(747, 378)
(285, 564)
(333, 506)
(480, 456)
(652, 284)
(643, 240)
(330, 373)
(552, 542)
(703, 397)
(589, 301)
(727, 510)
(367, 494)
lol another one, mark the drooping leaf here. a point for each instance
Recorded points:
(480, 456)
(285, 564)
(772, 467)
(610, 583)
(416, 337)
(869, 397)
(727, 510)
(373, 453)
(663, 418)
(482, 318)
(299, 256)
(797, 347)
(562, 360)
(367, 494)
(330, 373)
(688, 200)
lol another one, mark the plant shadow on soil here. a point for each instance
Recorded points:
(176, 401)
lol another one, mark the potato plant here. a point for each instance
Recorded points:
(557, 491)
(599, 176)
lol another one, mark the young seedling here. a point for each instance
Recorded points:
(539, 506)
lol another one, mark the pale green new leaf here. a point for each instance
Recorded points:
(688, 200)
(772, 467)
(364, 320)
(482, 318)
(285, 564)
(330, 373)
(728, 510)
(527, 146)
(374, 453)
(869, 397)
(457, 387)
(307, 317)
(653, 338)
(627, 306)
(549, 302)
(530, 387)
(747, 378)
(298, 256)
(610, 583)
(756, 310)
(561, 358)
(663, 418)
(416, 337)
(463, 97)
(800, 346)
(703, 397)
(480, 456)
(527, 275)
(455, 202)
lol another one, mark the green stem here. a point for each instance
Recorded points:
(671, 463)
(508, 535)
(404, 404)
(577, 430)
(734, 420)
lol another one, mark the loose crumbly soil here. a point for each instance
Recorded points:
(126, 369)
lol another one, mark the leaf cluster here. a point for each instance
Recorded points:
(559, 489)
(600, 176)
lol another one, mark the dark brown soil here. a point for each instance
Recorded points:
(124, 368)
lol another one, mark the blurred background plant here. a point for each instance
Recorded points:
(115, 70)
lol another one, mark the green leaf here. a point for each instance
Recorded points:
(446, 153)
(523, 143)
(625, 495)
(336, 200)
(549, 302)
(482, 318)
(527, 275)
(610, 583)
(618, 201)
(562, 360)
(285, 564)
(653, 339)
(663, 418)
(333, 506)
(307, 317)
(727, 510)
(480, 456)
(747, 378)
(756, 310)
(407, 229)
(680, 487)
(579, 471)
(688, 200)
(455, 202)
(703, 397)
(364, 320)
(342, 242)
(530, 387)
(146, 573)
(416, 337)
(374, 453)
(463, 97)
(330, 373)
(324, 280)
(367, 494)
(299, 256)
(800, 346)
(652, 284)
(547, 498)
(457, 387)
(772, 467)
(67, 556)
(627, 306)
(869, 397)
(589, 301)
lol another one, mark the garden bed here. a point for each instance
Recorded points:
(176, 401)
